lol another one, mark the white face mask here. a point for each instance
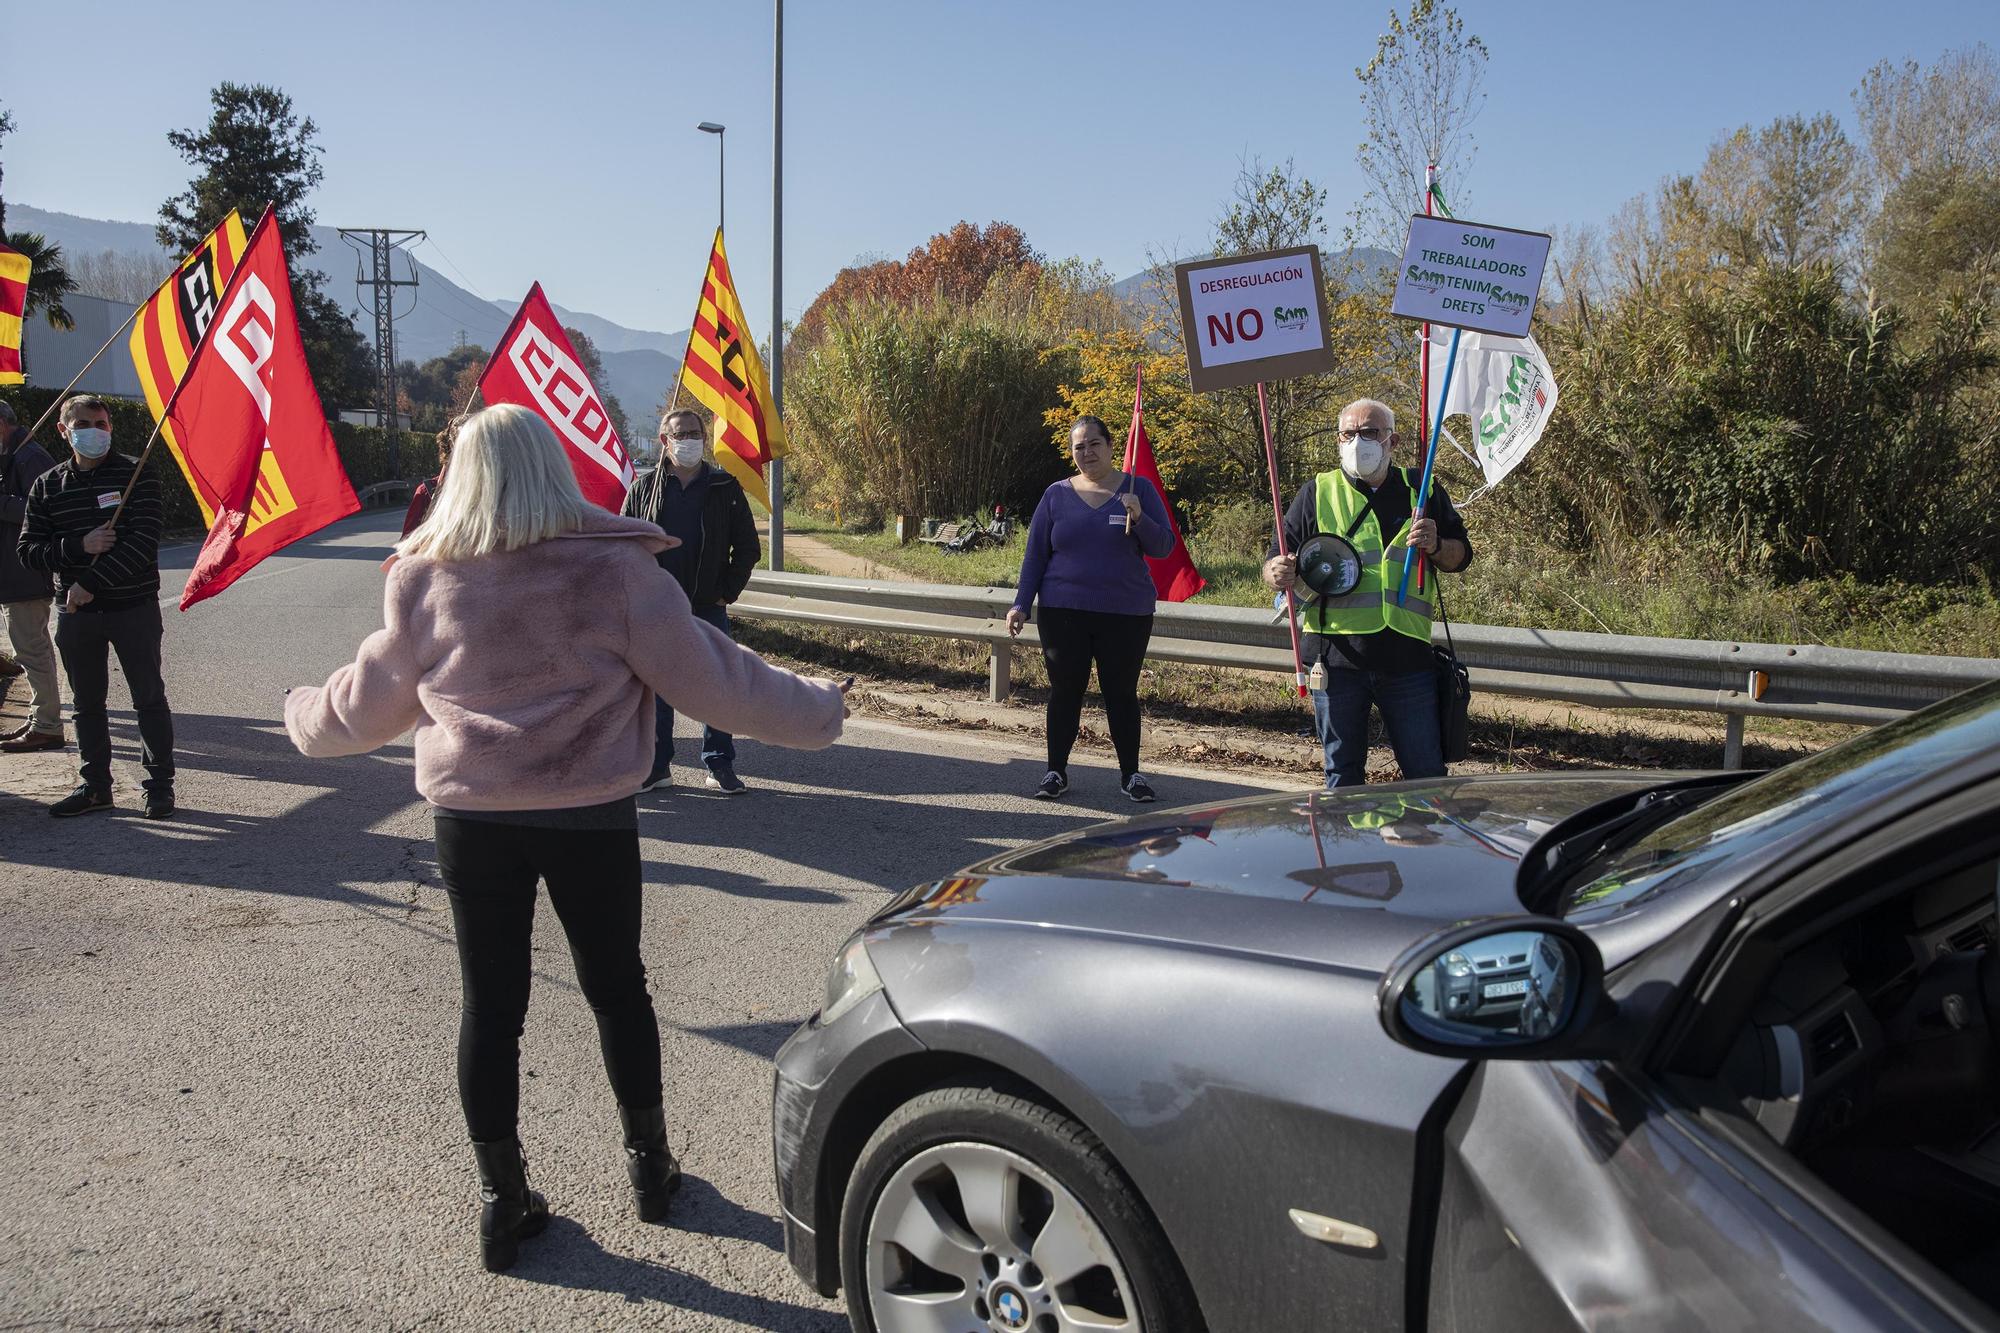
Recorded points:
(1362, 457)
(89, 441)
(685, 453)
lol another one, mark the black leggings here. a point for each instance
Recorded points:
(1071, 640)
(593, 875)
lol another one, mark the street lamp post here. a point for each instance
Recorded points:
(710, 127)
(777, 478)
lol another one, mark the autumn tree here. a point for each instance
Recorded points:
(955, 266)
(1933, 156)
(1791, 193)
(1946, 117)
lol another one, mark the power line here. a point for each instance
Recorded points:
(470, 285)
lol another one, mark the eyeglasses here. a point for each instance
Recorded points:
(690, 439)
(1364, 433)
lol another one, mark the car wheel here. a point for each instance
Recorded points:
(970, 1208)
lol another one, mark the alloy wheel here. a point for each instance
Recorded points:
(968, 1236)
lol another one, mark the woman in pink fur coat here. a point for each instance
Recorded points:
(526, 634)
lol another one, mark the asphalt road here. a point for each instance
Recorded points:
(226, 1042)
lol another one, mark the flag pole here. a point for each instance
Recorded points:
(200, 346)
(151, 440)
(1278, 514)
(1430, 463)
(1132, 431)
(1424, 405)
(43, 420)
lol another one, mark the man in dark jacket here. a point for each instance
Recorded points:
(107, 577)
(706, 508)
(25, 594)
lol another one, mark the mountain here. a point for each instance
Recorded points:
(640, 365)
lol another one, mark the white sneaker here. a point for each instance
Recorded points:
(661, 783)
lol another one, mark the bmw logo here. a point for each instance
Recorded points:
(1011, 1307)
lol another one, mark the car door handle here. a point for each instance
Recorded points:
(1333, 1231)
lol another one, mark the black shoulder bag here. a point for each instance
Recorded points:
(1454, 686)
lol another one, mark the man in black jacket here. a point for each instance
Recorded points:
(25, 594)
(706, 508)
(107, 578)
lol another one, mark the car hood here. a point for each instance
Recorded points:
(1345, 878)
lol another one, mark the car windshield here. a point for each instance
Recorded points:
(1784, 805)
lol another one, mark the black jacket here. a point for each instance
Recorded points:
(21, 461)
(65, 503)
(729, 546)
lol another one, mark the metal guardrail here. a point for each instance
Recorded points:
(1736, 680)
(384, 492)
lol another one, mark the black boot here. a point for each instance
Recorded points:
(510, 1211)
(655, 1174)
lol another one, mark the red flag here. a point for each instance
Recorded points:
(254, 437)
(535, 367)
(1175, 578)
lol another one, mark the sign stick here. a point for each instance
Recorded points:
(1424, 330)
(1430, 464)
(1278, 515)
(43, 420)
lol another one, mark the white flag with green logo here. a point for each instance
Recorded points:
(1505, 386)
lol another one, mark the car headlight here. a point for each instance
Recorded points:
(1457, 965)
(851, 980)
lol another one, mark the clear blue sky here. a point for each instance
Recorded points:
(556, 141)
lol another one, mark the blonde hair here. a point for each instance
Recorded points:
(509, 486)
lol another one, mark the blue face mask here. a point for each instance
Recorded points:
(89, 441)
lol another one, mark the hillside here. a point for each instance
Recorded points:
(640, 365)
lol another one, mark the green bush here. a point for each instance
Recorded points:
(364, 450)
(1240, 527)
(933, 409)
(1774, 423)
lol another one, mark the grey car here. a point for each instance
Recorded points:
(1723, 1055)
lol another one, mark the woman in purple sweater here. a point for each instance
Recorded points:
(1086, 562)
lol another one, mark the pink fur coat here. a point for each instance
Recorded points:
(529, 675)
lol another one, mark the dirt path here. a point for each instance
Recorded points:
(828, 559)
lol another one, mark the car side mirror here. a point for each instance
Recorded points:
(1508, 988)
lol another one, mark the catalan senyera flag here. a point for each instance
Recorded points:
(14, 268)
(259, 453)
(170, 325)
(724, 373)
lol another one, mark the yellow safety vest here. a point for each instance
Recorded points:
(1372, 606)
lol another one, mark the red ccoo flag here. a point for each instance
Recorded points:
(1175, 578)
(254, 437)
(535, 367)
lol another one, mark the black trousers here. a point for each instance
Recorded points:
(1071, 641)
(86, 640)
(490, 871)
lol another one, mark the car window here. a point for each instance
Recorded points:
(1787, 804)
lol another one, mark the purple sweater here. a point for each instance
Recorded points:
(1082, 559)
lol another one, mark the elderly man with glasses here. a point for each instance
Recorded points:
(1362, 645)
